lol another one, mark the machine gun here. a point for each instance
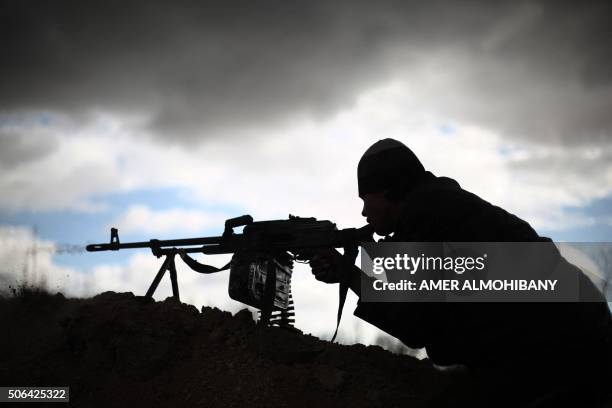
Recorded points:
(262, 264)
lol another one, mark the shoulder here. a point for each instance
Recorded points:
(440, 210)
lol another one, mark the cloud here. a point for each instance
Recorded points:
(578, 254)
(194, 70)
(58, 173)
(17, 151)
(274, 104)
(142, 219)
(307, 169)
(187, 64)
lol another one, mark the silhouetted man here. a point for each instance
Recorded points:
(520, 354)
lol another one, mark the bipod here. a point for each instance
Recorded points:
(169, 266)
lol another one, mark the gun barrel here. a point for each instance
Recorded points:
(154, 243)
(115, 246)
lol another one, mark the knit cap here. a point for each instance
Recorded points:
(388, 165)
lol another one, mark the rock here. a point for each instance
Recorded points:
(244, 316)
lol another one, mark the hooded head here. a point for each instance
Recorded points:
(387, 171)
(388, 166)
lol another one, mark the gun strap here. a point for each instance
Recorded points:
(350, 254)
(203, 268)
(343, 290)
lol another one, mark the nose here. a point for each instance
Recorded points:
(363, 211)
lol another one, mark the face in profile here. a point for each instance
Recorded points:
(380, 212)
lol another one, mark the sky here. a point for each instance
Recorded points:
(166, 118)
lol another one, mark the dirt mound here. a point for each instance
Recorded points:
(117, 349)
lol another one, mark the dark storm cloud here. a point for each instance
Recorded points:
(198, 66)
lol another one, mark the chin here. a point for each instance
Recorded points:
(381, 231)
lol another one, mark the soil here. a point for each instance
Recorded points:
(117, 349)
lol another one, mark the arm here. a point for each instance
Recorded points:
(326, 266)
